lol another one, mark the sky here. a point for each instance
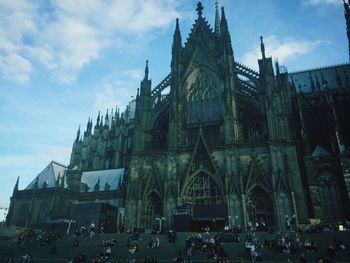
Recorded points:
(62, 61)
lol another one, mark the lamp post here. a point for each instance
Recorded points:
(160, 219)
(69, 221)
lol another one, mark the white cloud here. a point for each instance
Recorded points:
(282, 49)
(321, 2)
(15, 67)
(117, 90)
(64, 36)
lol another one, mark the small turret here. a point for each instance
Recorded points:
(107, 120)
(98, 119)
(347, 20)
(177, 44)
(225, 35)
(262, 47)
(88, 127)
(277, 67)
(146, 71)
(217, 19)
(97, 185)
(78, 134)
(15, 189)
(62, 182)
(101, 121)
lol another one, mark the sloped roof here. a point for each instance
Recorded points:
(111, 177)
(49, 176)
(302, 78)
(319, 151)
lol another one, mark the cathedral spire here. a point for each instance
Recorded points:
(217, 18)
(62, 181)
(146, 71)
(176, 48)
(106, 119)
(347, 19)
(15, 189)
(78, 134)
(262, 47)
(98, 119)
(199, 9)
(97, 185)
(224, 32)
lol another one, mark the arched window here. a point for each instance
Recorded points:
(153, 208)
(202, 189)
(259, 206)
(203, 101)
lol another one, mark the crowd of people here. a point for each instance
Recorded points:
(289, 244)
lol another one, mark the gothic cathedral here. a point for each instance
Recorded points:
(215, 143)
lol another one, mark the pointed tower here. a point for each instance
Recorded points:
(142, 112)
(283, 152)
(347, 19)
(217, 19)
(15, 189)
(176, 72)
(97, 185)
(78, 134)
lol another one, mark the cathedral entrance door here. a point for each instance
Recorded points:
(204, 196)
(259, 208)
(152, 209)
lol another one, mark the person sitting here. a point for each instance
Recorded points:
(133, 249)
(108, 252)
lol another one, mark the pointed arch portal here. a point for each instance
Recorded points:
(203, 190)
(203, 195)
(259, 206)
(153, 208)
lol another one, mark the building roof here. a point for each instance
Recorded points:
(109, 178)
(319, 152)
(302, 79)
(47, 178)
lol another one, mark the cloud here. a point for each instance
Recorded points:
(64, 36)
(117, 90)
(282, 49)
(15, 67)
(321, 2)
